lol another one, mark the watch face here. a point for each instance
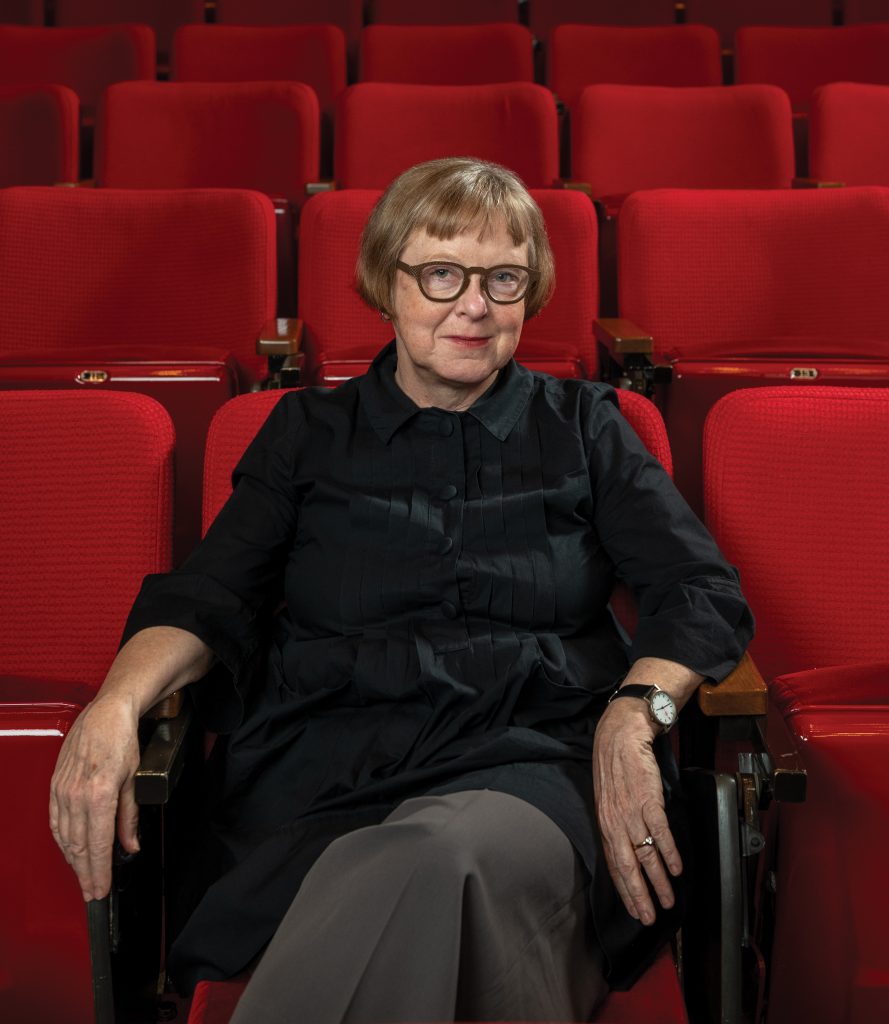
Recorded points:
(663, 708)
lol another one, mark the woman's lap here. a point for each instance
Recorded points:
(470, 905)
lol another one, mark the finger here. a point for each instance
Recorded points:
(99, 845)
(659, 828)
(627, 866)
(128, 818)
(621, 888)
(651, 863)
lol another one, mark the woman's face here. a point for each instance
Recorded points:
(449, 352)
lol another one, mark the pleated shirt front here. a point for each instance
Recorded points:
(408, 600)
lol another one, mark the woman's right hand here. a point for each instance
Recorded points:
(92, 791)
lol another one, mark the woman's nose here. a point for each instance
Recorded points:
(473, 301)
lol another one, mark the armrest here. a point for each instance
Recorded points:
(314, 187)
(743, 692)
(163, 758)
(815, 183)
(622, 337)
(578, 186)
(281, 337)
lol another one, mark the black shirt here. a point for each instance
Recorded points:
(407, 600)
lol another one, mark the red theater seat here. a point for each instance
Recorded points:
(86, 489)
(796, 484)
(22, 12)
(849, 134)
(582, 55)
(857, 11)
(163, 292)
(656, 997)
(39, 135)
(798, 60)
(342, 335)
(456, 12)
(745, 288)
(256, 135)
(425, 54)
(545, 15)
(630, 137)
(347, 15)
(382, 130)
(163, 16)
(87, 60)
(727, 16)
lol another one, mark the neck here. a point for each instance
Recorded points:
(440, 394)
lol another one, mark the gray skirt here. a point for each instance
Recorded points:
(468, 906)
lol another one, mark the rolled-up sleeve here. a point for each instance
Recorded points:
(224, 591)
(690, 605)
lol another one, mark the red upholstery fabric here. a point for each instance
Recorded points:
(796, 488)
(342, 335)
(761, 272)
(831, 850)
(849, 134)
(648, 423)
(655, 999)
(424, 54)
(800, 59)
(546, 14)
(38, 134)
(628, 137)
(86, 496)
(164, 16)
(581, 55)
(135, 273)
(87, 60)
(455, 12)
(233, 428)
(313, 54)
(727, 16)
(382, 129)
(22, 12)
(257, 135)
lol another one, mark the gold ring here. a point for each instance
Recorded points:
(647, 841)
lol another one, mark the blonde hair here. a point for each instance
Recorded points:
(446, 197)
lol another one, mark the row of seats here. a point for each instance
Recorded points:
(540, 15)
(85, 485)
(795, 59)
(167, 292)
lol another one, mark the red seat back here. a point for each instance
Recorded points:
(313, 54)
(85, 487)
(38, 135)
(800, 59)
(796, 488)
(581, 55)
(848, 136)
(382, 130)
(425, 54)
(342, 335)
(628, 137)
(163, 16)
(744, 273)
(87, 60)
(22, 12)
(858, 11)
(256, 135)
(544, 17)
(727, 16)
(456, 12)
(135, 273)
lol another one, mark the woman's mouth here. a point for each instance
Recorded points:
(468, 341)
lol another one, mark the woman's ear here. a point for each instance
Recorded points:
(384, 315)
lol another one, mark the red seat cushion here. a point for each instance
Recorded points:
(39, 142)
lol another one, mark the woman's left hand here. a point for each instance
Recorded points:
(630, 807)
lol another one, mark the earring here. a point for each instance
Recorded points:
(384, 315)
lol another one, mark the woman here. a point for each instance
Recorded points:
(407, 753)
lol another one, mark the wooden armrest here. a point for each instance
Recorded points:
(169, 707)
(579, 186)
(314, 187)
(622, 337)
(815, 183)
(280, 337)
(787, 770)
(162, 759)
(743, 692)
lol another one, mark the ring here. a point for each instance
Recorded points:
(647, 841)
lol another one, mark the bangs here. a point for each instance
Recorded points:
(481, 209)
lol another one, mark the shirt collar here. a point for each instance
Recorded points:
(389, 408)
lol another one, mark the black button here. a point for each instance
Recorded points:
(449, 610)
(446, 427)
(445, 546)
(448, 492)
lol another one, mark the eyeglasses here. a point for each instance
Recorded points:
(444, 282)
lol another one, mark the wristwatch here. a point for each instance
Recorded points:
(660, 704)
